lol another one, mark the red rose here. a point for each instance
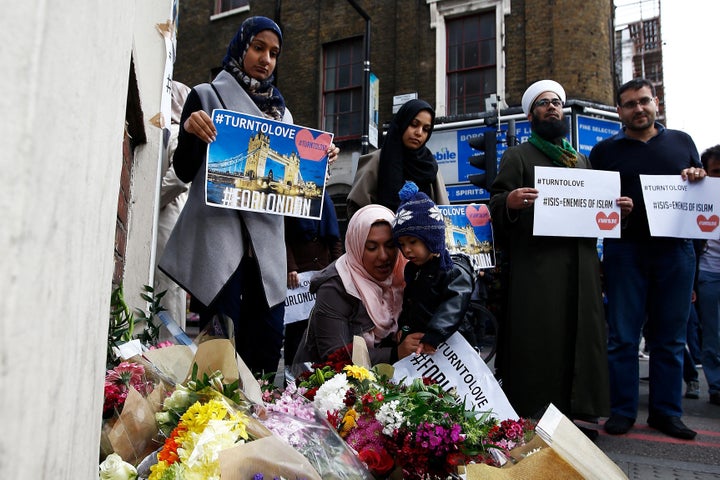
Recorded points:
(378, 462)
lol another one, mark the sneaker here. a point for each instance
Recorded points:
(715, 398)
(693, 389)
(618, 424)
(671, 426)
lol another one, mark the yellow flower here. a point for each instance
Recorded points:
(349, 422)
(359, 373)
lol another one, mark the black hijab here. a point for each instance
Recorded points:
(399, 163)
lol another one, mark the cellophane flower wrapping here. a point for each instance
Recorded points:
(416, 431)
(293, 418)
(133, 393)
(210, 431)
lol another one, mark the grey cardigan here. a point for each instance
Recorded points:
(207, 243)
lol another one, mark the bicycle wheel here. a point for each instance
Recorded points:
(480, 330)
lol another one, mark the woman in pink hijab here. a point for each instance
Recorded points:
(360, 294)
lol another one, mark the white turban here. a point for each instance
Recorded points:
(536, 89)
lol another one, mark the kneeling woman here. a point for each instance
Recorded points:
(360, 294)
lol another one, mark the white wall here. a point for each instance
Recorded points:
(64, 83)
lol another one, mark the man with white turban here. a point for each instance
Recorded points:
(552, 345)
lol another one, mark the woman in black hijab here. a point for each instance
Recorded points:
(404, 156)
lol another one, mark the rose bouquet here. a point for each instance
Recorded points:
(418, 431)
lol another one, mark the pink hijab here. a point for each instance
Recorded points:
(382, 300)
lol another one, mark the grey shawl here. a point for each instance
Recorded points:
(207, 243)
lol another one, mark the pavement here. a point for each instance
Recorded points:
(645, 454)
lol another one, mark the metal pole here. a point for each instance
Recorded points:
(365, 138)
(511, 135)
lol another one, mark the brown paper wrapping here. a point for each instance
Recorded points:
(173, 362)
(270, 456)
(133, 433)
(544, 464)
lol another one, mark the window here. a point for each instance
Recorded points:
(471, 62)
(223, 6)
(342, 88)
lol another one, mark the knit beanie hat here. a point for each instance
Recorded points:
(419, 217)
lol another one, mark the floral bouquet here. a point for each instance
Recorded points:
(415, 431)
(132, 396)
(211, 432)
(292, 417)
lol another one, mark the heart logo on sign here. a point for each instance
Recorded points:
(707, 224)
(310, 148)
(607, 222)
(478, 215)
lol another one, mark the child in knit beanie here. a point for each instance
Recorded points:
(438, 285)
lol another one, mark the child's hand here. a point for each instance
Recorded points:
(425, 348)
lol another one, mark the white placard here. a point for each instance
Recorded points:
(576, 202)
(682, 209)
(299, 302)
(457, 365)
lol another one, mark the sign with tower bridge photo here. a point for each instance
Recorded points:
(261, 165)
(468, 230)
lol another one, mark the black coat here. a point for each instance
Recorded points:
(434, 301)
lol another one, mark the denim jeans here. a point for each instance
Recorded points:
(708, 304)
(648, 282)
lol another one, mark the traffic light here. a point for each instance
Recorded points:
(485, 159)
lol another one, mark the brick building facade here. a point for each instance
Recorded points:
(568, 40)
(411, 51)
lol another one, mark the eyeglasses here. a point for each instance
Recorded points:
(555, 102)
(632, 104)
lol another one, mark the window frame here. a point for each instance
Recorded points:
(444, 10)
(218, 12)
(354, 46)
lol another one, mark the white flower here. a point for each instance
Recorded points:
(403, 216)
(435, 214)
(115, 468)
(331, 394)
(389, 416)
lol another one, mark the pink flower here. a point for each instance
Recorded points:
(162, 345)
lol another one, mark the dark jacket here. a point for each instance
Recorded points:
(434, 301)
(335, 319)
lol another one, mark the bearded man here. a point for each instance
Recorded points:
(552, 346)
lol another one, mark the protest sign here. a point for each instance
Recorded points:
(576, 202)
(457, 365)
(299, 302)
(266, 166)
(468, 230)
(682, 209)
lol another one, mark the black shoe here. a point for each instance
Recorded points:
(671, 426)
(715, 398)
(618, 424)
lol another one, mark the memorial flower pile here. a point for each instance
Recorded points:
(417, 430)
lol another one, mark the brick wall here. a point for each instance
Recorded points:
(121, 223)
(567, 40)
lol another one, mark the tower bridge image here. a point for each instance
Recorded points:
(263, 169)
(463, 239)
